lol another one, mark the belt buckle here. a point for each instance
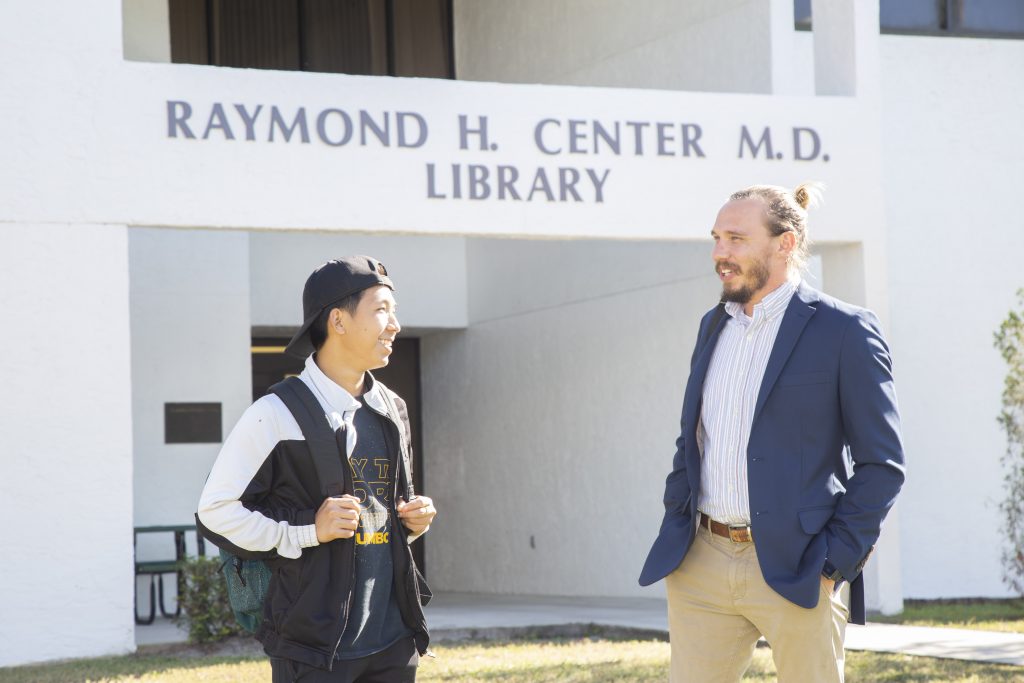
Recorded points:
(740, 534)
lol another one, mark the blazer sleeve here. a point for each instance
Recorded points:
(871, 426)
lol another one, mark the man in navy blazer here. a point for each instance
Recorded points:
(788, 459)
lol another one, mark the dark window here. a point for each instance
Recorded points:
(985, 18)
(991, 16)
(190, 39)
(802, 14)
(369, 37)
(345, 37)
(912, 15)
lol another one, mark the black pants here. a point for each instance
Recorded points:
(396, 664)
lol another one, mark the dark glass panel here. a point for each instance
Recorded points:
(258, 35)
(802, 13)
(421, 38)
(190, 42)
(990, 16)
(912, 15)
(345, 36)
(371, 37)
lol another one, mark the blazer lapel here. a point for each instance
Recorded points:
(703, 361)
(798, 313)
(695, 385)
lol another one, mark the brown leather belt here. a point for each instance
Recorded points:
(736, 533)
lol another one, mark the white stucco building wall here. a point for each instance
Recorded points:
(954, 160)
(557, 408)
(669, 45)
(67, 448)
(281, 262)
(190, 344)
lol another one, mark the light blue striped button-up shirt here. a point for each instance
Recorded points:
(730, 394)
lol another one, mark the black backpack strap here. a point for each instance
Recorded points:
(320, 437)
(401, 421)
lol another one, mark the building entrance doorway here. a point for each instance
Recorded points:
(270, 364)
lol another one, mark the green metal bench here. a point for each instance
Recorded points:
(156, 569)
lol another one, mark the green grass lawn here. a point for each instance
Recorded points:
(594, 660)
(980, 614)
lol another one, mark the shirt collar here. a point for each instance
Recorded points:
(775, 303)
(336, 397)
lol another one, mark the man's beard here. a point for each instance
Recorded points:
(757, 278)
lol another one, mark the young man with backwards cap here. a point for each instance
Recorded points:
(343, 604)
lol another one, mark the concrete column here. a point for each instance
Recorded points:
(846, 63)
(843, 274)
(884, 571)
(845, 47)
(786, 69)
(66, 487)
(146, 26)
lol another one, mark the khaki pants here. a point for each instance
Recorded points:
(718, 606)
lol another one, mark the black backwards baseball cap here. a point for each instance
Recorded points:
(329, 284)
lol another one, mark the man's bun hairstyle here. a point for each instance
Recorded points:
(808, 195)
(786, 211)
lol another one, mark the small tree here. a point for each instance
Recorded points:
(1009, 339)
(204, 601)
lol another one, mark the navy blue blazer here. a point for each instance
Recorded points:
(825, 456)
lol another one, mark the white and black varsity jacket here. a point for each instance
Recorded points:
(260, 501)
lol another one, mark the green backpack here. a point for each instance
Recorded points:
(247, 584)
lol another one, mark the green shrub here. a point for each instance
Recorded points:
(204, 601)
(1009, 339)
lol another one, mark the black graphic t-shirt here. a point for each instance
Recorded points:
(374, 620)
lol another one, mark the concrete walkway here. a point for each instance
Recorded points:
(465, 614)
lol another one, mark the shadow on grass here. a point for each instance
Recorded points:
(897, 668)
(107, 668)
(561, 660)
(990, 614)
(569, 672)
